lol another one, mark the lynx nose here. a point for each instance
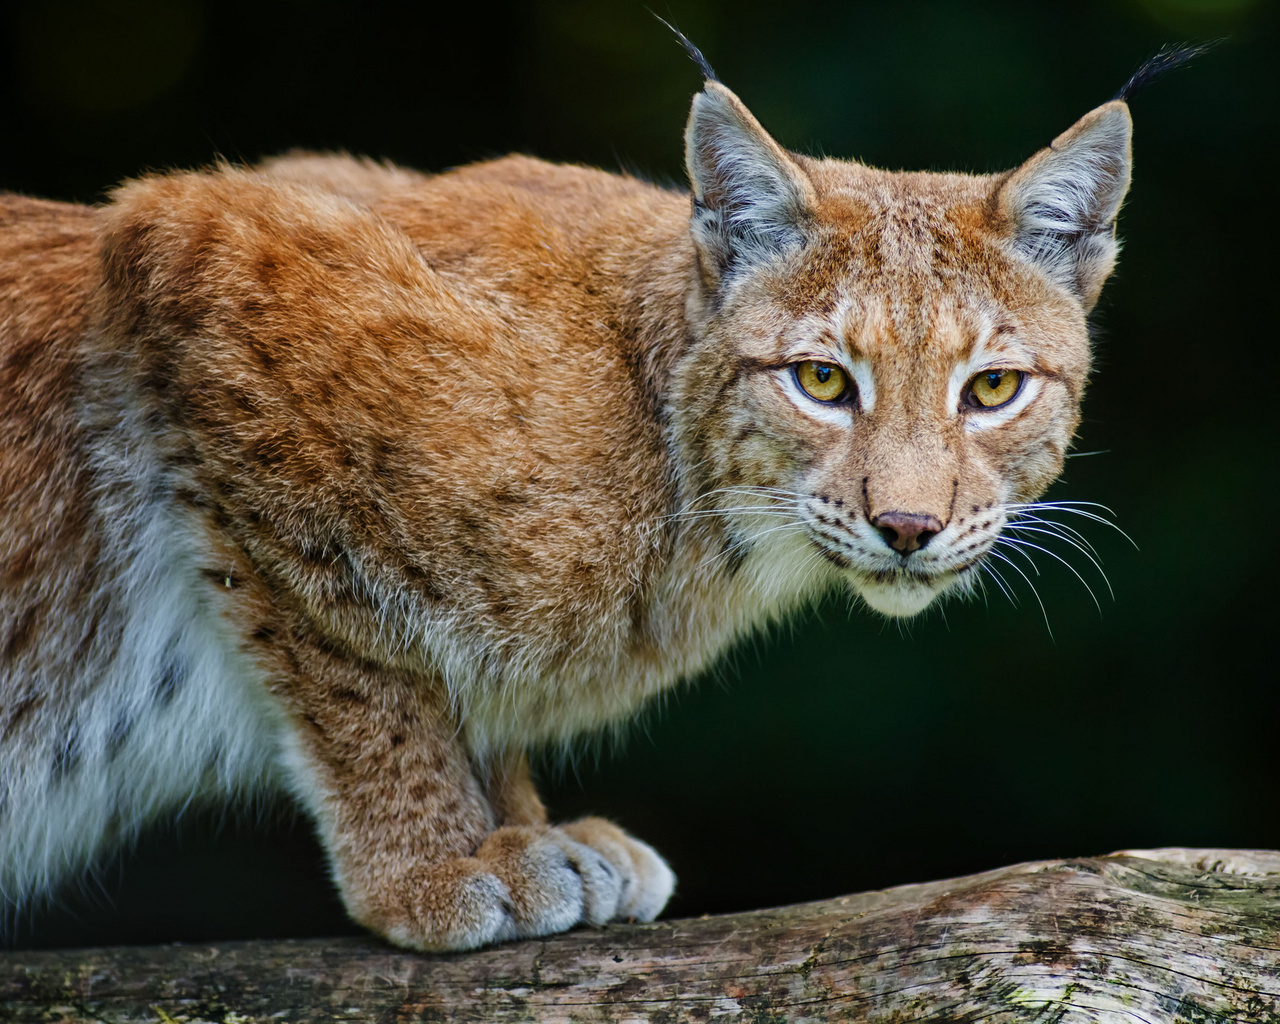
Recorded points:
(907, 531)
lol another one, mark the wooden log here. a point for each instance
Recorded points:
(1157, 936)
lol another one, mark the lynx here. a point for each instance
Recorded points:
(336, 479)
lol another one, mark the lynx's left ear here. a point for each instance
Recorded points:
(1061, 205)
(751, 200)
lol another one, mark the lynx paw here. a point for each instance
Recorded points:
(589, 872)
(526, 881)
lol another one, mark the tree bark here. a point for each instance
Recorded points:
(1157, 936)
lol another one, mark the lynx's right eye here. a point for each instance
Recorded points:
(822, 381)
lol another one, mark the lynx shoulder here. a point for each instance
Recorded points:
(338, 479)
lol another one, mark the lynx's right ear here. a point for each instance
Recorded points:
(1061, 205)
(750, 199)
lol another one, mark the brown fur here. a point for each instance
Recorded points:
(454, 465)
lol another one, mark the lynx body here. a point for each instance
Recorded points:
(339, 479)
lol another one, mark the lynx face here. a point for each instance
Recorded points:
(892, 362)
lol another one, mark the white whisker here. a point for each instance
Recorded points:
(1000, 582)
(979, 582)
(1035, 593)
(1030, 561)
(711, 513)
(1068, 532)
(1054, 554)
(771, 493)
(1068, 540)
(730, 549)
(1060, 504)
(1075, 508)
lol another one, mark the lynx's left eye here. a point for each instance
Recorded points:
(993, 388)
(822, 381)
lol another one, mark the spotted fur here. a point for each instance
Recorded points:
(334, 478)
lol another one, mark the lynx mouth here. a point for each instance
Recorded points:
(902, 593)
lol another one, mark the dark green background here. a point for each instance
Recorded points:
(845, 752)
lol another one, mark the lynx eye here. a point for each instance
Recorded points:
(993, 388)
(822, 381)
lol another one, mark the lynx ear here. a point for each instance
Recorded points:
(1062, 203)
(751, 199)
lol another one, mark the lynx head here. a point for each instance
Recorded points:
(891, 362)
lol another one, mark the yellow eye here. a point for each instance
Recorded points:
(822, 381)
(993, 388)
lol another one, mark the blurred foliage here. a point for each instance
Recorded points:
(844, 752)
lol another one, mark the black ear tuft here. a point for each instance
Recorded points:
(1168, 59)
(694, 53)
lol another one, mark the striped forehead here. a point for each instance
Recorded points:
(942, 326)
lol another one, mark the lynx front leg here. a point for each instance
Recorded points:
(417, 843)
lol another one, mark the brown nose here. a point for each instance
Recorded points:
(907, 531)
